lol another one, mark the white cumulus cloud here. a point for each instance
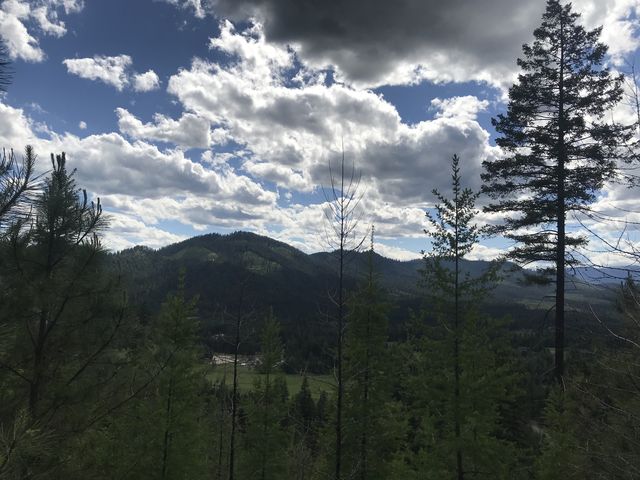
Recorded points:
(189, 131)
(145, 82)
(114, 70)
(21, 21)
(110, 70)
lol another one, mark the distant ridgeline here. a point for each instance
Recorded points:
(247, 274)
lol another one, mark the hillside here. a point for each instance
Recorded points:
(246, 274)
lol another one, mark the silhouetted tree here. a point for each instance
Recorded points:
(559, 148)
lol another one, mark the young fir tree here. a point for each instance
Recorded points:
(464, 372)
(560, 147)
(303, 414)
(265, 435)
(369, 434)
(560, 452)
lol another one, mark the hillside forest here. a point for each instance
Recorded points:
(239, 357)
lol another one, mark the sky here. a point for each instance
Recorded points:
(193, 116)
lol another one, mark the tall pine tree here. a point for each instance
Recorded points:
(559, 147)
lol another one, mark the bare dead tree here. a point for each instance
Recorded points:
(342, 215)
(239, 317)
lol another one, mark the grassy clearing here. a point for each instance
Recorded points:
(247, 376)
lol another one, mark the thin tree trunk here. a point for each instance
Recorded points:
(221, 434)
(265, 429)
(561, 213)
(365, 400)
(340, 327)
(234, 398)
(456, 347)
(167, 431)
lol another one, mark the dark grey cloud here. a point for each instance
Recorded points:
(370, 40)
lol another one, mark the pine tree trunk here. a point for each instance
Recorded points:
(561, 214)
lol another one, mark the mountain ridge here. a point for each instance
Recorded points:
(244, 273)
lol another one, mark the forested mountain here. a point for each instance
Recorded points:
(295, 285)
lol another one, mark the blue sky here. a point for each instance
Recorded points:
(191, 116)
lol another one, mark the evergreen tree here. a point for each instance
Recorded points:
(561, 453)
(59, 324)
(370, 437)
(306, 427)
(161, 433)
(464, 370)
(560, 150)
(303, 414)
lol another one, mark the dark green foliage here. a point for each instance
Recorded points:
(162, 432)
(304, 416)
(59, 326)
(218, 412)
(271, 349)
(560, 453)
(17, 184)
(594, 432)
(555, 153)
(560, 145)
(264, 442)
(310, 448)
(464, 375)
(296, 291)
(371, 429)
